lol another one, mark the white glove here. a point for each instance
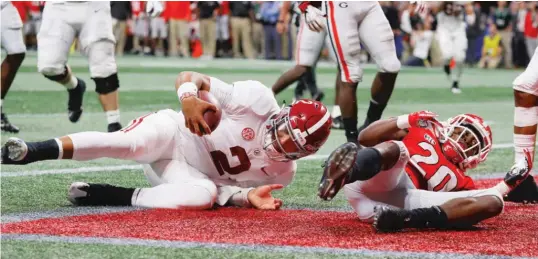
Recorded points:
(315, 19)
(154, 8)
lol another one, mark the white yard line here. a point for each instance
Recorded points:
(254, 247)
(95, 169)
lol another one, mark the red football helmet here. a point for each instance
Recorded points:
(298, 130)
(466, 152)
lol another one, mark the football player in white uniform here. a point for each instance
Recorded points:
(410, 173)
(452, 40)
(91, 21)
(250, 153)
(13, 44)
(525, 122)
(350, 24)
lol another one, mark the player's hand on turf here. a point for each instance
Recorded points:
(420, 119)
(193, 109)
(261, 198)
(519, 171)
(315, 18)
(154, 8)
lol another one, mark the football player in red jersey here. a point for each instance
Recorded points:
(410, 173)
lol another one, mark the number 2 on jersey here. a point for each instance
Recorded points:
(443, 176)
(223, 165)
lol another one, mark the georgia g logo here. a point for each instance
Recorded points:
(343, 5)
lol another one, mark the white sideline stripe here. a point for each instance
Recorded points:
(255, 247)
(95, 169)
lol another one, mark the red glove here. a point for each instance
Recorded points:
(418, 119)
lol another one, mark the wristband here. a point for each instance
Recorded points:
(402, 122)
(187, 90)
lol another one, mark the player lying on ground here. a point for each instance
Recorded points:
(411, 173)
(251, 153)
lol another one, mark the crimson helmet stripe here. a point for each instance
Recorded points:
(317, 125)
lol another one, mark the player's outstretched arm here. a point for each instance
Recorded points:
(394, 128)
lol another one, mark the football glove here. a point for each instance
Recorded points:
(154, 8)
(314, 18)
(519, 171)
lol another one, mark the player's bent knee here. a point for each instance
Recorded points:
(492, 205)
(54, 72)
(211, 190)
(106, 85)
(360, 203)
(101, 59)
(390, 65)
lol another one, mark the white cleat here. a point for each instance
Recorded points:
(456, 90)
(76, 190)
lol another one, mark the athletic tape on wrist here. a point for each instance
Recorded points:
(187, 90)
(402, 122)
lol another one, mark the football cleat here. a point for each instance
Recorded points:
(337, 123)
(7, 126)
(388, 219)
(337, 169)
(319, 96)
(74, 104)
(525, 192)
(14, 151)
(113, 127)
(519, 171)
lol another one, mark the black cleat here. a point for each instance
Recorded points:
(336, 170)
(337, 123)
(319, 96)
(74, 104)
(113, 127)
(387, 219)
(14, 151)
(91, 194)
(525, 192)
(7, 126)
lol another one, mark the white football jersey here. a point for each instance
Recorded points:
(450, 23)
(233, 154)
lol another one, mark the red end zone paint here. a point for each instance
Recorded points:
(513, 233)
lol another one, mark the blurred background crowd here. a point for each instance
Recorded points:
(500, 34)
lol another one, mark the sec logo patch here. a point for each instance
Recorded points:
(248, 134)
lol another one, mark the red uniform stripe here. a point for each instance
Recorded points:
(339, 51)
(298, 43)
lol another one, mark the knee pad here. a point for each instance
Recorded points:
(106, 85)
(54, 73)
(390, 65)
(101, 58)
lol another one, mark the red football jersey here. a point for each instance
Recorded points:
(428, 167)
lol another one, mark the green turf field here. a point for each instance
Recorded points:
(38, 107)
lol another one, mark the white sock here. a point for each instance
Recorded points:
(72, 83)
(502, 188)
(457, 71)
(522, 142)
(113, 116)
(336, 111)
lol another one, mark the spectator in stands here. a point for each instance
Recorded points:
(474, 33)
(406, 29)
(492, 51)
(531, 28)
(420, 41)
(179, 14)
(258, 41)
(519, 11)
(241, 23)
(207, 13)
(223, 31)
(140, 27)
(503, 19)
(391, 12)
(270, 12)
(159, 32)
(120, 11)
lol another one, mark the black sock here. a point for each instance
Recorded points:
(432, 217)
(43, 150)
(447, 69)
(455, 84)
(106, 195)
(375, 110)
(350, 126)
(367, 165)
